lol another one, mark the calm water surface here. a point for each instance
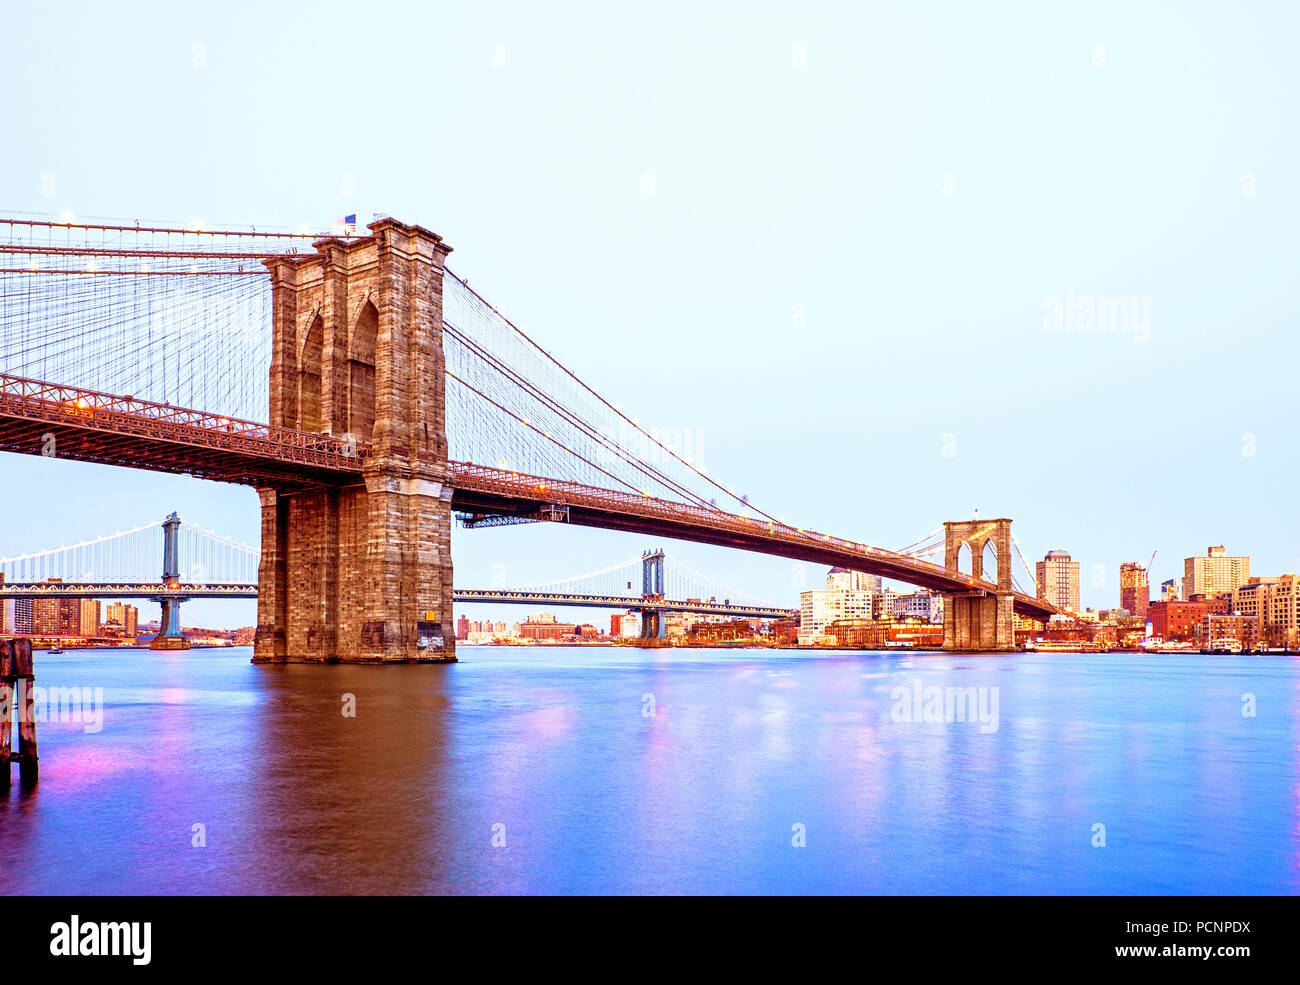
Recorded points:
(597, 796)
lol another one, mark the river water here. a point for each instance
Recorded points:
(612, 770)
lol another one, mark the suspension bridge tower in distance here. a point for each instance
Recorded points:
(360, 573)
(983, 619)
(169, 635)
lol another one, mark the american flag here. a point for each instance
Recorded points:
(346, 226)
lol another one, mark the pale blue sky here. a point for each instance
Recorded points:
(928, 179)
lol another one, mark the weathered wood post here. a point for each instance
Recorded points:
(25, 676)
(6, 709)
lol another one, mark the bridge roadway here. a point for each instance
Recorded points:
(96, 427)
(153, 590)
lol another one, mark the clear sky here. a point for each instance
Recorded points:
(827, 238)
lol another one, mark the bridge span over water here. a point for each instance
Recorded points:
(366, 391)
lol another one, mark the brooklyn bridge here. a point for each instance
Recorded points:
(370, 395)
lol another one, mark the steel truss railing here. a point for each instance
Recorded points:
(96, 590)
(56, 404)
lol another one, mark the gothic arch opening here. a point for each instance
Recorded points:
(361, 373)
(964, 562)
(989, 562)
(309, 377)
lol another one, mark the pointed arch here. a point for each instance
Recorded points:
(990, 563)
(964, 562)
(309, 372)
(361, 372)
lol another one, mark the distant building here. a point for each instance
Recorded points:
(1174, 620)
(24, 623)
(1273, 604)
(625, 625)
(720, 632)
(56, 617)
(785, 631)
(842, 579)
(1169, 590)
(462, 628)
(923, 605)
(818, 609)
(1217, 628)
(1058, 580)
(1280, 616)
(864, 634)
(90, 609)
(1134, 591)
(544, 627)
(123, 619)
(1213, 573)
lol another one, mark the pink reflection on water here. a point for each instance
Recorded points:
(549, 723)
(84, 764)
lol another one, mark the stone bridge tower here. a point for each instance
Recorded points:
(362, 573)
(982, 619)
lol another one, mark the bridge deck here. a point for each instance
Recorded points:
(88, 426)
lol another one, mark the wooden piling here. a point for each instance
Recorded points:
(25, 675)
(6, 710)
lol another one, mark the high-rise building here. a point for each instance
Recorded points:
(90, 609)
(1058, 580)
(1134, 591)
(24, 617)
(1213, 573)
(130, 621)
(6, 614)
(1169, 590)
(56, 617)
(818, 609)
(462, 628)
(842, 579)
